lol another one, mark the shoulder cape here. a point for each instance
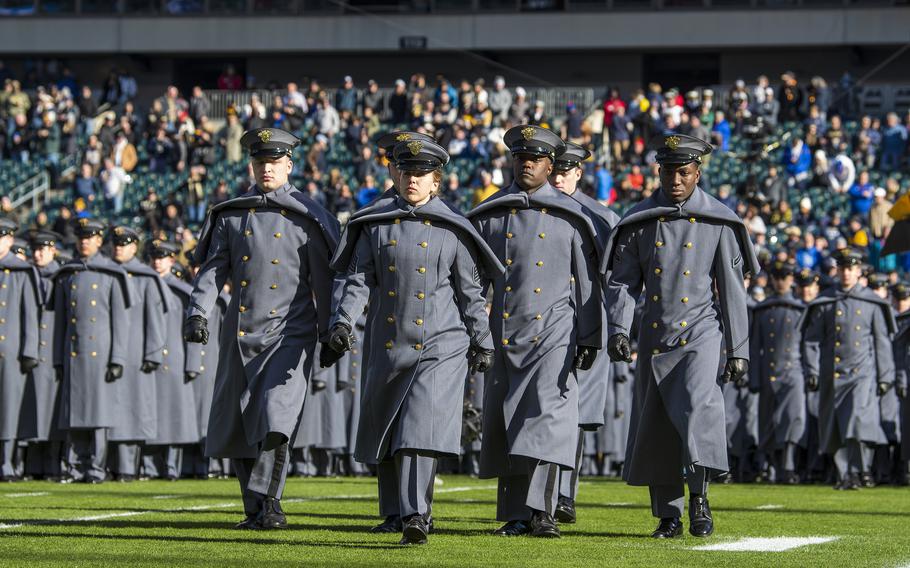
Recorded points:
(700, 205)
(396, 208)
(100, 263)
(179, 287)
(13, 262)
(139, 269)
(604, 218)
(545, 196)
(288, 197)
(773, 301)
(858, 292)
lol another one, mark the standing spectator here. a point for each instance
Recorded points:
(774, 187)
(295, 107)
(221, 193)
(797, 160)
(500, 100)
(88, 109)
(485, 188)
(346, 96)
(327, 119)
(86, 185)
(697, 129)
(518, 111)
(233, 132)
(538, 116)
(372, 99)
(152, 212)
(114, 180)
(611, 107)
(572, 125)
(124, 153)
(603, 184)
(199, 104)
(880, 224)
(20, 139)
(894, 143)
(315, 158)
(720, 133)
(861, 195)
(790, 97)
(366, 165)
(48, 138)
(194, 194)
(818, 94)
(367, 192)
(398, 103)
(769, 108)
(229, 80)
(620, 132)
(160, 150)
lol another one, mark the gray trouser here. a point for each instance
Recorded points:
(44, 458)
(853, 458)
(387, 482)
(89, 454)
(262, 477)
(536, 490)
(162, 461)
(415, 473)
(126, 457)
(669, 500)
(568, 478)
(786, 458)
(7, 454)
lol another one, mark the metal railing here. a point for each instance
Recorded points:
(35, 189)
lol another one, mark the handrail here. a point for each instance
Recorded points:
(33, 188)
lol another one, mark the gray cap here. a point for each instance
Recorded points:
(269, 143)
(419, 156)
(572, 157)
(534, 140)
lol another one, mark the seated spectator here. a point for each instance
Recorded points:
(485, 188)
(861, 195)
(367, 192)
(720, 133)
(857, 233)
(797, 161)
(808, 256)
(894, 143)
(86, 185)
(114, 180)
(841, 173)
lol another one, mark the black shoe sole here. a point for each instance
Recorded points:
(662, 536)
(548, 533)
(413, 535)
(565, 517)
(699, 535)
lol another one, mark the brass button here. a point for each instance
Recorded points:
(773, 378)
(683, 342)
(252, 210)
(509, 235)
(508, 288)
(655, 298)
(72, 286)
(418, 321)
(284, 212)
(418, 346)
(94, 303)
(243, 283)
(201, 367)
(837, 343)
(391, 293)
(840, 312)
(659, 244)
(654, 325)
(508, 262)
(202, 351)
(94, 286)
(513, 211)
(662, 219)
(241, 333)
(837, 359)
(683, 324)
(688, 245)
(390, 319)
(537, 290)
(398, 221)
(657, 271)
(388, 344)
(539, 263)
(535, 339)
(771, 334)
(543, 210)
(421, 295)
(277, 235)
(542, 235)
(248, 232)
(538, 316)
(857, 328)
(273, 286)
(686, 273)
(771, 350)
(859, 312)
(275, 261)
(43, 343)
(391, 268)
(691, 219)
(427, 222)
(837, 328)
(655, 351)
(685, 300)
(273, 312)
(422, 270)
(72, 353)
(424, 244)
(244, 258)
(505, 341)
(393, 242)
(242, 309)
(505, 315)
(836, 375)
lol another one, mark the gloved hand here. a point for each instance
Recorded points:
(317, 385)
(328, 356)
(883, 388)
(341, 339)
(58, 373)
(195, 330)
(902, 392)
(479, 359)
(26, 364)
(341, 386)
(619, 414)
(149, 367)
(584, 357)
(742, 382)
(812, 383)
(189, 376)
(619, 348)
(735, 369)
(114, 372)
(621, 378)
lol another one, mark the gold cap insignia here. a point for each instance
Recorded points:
(404, 136)
(527, 133)
(83, 222)
(672, 142)
(118, 231)
(265, 135)
(156, 243)
(415, 147)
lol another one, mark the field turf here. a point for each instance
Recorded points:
(188, 523)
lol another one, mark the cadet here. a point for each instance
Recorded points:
(20, 300)
(530, 423)
(137, 393)
(181, 364)
(387, 143)
(679, 244)
(424, 262)
(848, 359)
(322, 429)
(91, 347)
(38, 423)
(777, 374)
(901, 293)
(814, 462)
(889, 403)
(274, 244)
(594, 383)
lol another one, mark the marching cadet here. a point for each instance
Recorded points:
(386, 143)
(848, 359)
(593, 383)
(321, 435)
(91, 347)
(530, 423)
(274, 244)
(20, 300)
(615, 432)
(350, 369)
(181, 364)
(777, 374)
(814, 467)
(901, 343)
(420, 264)
(889, 404)
(137, 388)
(38, 424)
(20, 248)
(679, 245)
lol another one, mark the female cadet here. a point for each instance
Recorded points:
(419, 264)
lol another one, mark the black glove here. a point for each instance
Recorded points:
(58, 373)
(584, 357)
(189, 376)
(317, 385)
(341, 386)
(114, 372)
(742, 382)
(735, 369)
(812, 383)
(341, 339)
(619, 414)
(479, 359)
(620, 378)
(883, 388)
(149, 367)
(26, 364)
(902, 392)
(195, 330)
(619, 348)
(328, 356)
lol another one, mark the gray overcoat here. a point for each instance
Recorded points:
(275, 249)
(20, 298)
(545, 238)
(204, 384)
(846, 344)
(420, 268)
(890, 405)
(901, 345)
(677, 254)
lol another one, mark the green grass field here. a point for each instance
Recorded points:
(188, 523)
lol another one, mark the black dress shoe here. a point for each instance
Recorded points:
(866, 480)
(543, 525)
(513, 528)
(670, 527)
(247, 524)
(93, 480)
(790, 478)
(391, 524)
(126, 478)
(415, 530)
(565, 510)
(700, 521)
(271, 516)
(430, 526)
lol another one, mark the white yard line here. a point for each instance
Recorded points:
(34, 494)
(214, 506)
(165, 496)
(779, 544)
(768, 507)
